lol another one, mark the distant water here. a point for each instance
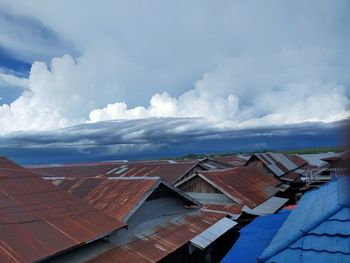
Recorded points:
(315, 159)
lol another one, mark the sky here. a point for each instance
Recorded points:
(69, 69)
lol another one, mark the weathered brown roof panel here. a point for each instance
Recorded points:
(169, 172)
(225, 208)
(83, 170)
(297, 160)
(116, 197)
(38, 219)
(6, 163)
(232, 160)
(250, 185)
(163, 240)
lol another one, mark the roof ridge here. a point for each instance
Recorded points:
(302, 231)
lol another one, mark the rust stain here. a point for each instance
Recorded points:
(38, 219)
(249, 184)
(164, 240)
(227, 208)
(116, 197)
(169, 172)
(232, 160)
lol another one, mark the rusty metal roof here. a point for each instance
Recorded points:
(209, 164)
(156, 244)
(39, 220)
(6, 163)
(292, 176)
(279, 163)
(169, 172)
(75, 170)
(116, 197)
(297, 160)
(231, 209)
(119, 197)
(231, 160)
(245, 185)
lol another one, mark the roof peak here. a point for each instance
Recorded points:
(298, 216)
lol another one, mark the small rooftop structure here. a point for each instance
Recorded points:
(318, 230)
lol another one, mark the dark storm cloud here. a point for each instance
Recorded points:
(152, 138)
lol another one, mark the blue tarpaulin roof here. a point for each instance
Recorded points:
(255, 237)
(318, 230)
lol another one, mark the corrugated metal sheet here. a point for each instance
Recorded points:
(317, 230)
(116, 197)
(248, 184)
(268, 207)
(169, 172)
(215, 231)
(298, 160)
(120, 255)
(232, 160)
(164, 239)
(255, 237)
(82, 170)
(284, 160)
(276, 170)
(292, 176)
(38, 220)
(234, 210)
(210, 164)
(281, 164)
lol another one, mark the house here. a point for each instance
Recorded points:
(288, 168)
(235, 190)
(255, 237)
(334, 167)
(163, 224)
(318, 230)
(39, 221)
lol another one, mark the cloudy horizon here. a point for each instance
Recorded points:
(231, 65)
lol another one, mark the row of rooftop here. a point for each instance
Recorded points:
(166, 211)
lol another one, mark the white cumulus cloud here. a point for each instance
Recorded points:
(236, 64)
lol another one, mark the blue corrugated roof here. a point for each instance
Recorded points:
(255, 237)
(318, 230)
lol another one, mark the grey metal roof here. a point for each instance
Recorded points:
(268, 207)
(277, 171)
(280, 157)
(209, 235)
(280, 163)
